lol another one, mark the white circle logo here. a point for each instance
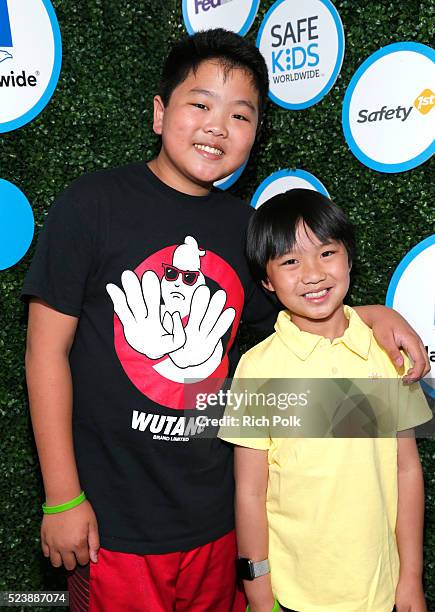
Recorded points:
(387, 116)
(234, 15)
(284, 180)
(30, 60)
(412, 293)
(303, 45)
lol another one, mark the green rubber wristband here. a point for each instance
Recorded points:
(274, 609)
(66, 506)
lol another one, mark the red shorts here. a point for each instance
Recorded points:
(199, 580)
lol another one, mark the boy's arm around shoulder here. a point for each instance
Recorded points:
(71, 535)
(392, 332)
(409, 526)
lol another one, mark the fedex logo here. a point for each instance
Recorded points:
(205, 5)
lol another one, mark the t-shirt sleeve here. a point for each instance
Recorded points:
(63, 257)
(243, 431)
(413, 409)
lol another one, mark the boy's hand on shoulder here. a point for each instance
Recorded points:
(70, 537)
(410, 596)
(393, 333)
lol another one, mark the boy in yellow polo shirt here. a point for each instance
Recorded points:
(338, 521)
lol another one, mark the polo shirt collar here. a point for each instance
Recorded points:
(357, 337)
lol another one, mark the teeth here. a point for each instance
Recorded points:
(316, 295)
(209, 149)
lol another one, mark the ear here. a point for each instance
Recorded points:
(268, 285)
(159, 111)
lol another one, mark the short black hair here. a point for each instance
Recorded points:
(272, 228)
(230, 49)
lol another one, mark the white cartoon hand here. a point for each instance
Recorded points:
(138, 308)
(208, 322)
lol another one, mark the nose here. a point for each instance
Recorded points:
(216, 125)
(312, 273)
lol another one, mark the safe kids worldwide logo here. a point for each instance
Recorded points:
(284, 180)
(30, 60)
(412, 293)
(387, 114)
(235, 15)
(303, 45)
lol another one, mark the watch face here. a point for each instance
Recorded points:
(245, 571)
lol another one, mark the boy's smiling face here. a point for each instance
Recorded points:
(208, 127)
(312, 281)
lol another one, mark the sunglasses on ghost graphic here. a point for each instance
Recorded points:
(172, 273)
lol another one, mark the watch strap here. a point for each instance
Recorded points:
(260, 568)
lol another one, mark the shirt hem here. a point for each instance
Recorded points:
(155, 548)
(299, 605)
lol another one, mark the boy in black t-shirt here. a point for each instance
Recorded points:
(138, 284)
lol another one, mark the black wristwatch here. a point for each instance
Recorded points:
(249, 570)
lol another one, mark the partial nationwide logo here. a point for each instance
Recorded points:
(234, 15)
(30, 60)
(16, 224)
(412, 293)
(387, 112)
(284, 180)
(228, 181)
(303, 44)
(176, 317)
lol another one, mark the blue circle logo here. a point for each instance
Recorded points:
(235, 15)
(229, 180)
(30, 60)
(284, 180)
(411, 292)
(388, 108)
(303, 45)
(16, 224)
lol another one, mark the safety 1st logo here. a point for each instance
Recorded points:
(30, 60)
(425, 101)
(176, 318)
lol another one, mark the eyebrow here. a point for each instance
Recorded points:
(207, 92)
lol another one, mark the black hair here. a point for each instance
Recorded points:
(272, 228)
(230, 49)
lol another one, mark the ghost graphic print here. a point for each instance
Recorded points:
(174, 320)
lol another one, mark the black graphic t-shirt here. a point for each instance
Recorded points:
(159, 282)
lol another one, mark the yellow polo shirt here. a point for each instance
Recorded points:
(331, 502)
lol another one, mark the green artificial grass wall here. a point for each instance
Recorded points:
(101, 115)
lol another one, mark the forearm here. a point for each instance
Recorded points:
(410, 508)
(50, 397)
(409, 527)
(371, 314)
(253, 543)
